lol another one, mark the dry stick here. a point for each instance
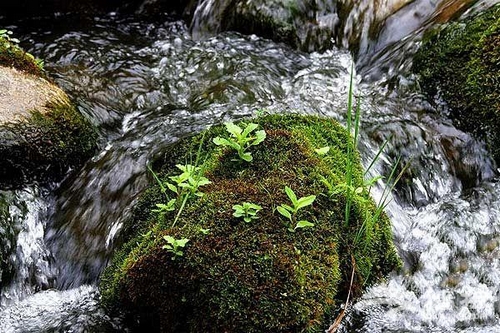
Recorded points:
(333, 328)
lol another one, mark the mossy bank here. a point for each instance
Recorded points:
(42, 135)
(460, 65)
(256, 276)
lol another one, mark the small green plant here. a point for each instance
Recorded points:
(241, 139)
(10, 44)
(190, 180)
(322, 151)
(175, 246)
(291, 212)
(8, 41)
(184, 185)
(247, 210)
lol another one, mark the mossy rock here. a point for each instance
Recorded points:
(256, 276)
(460, 64)
(11, 55)
(42, 135)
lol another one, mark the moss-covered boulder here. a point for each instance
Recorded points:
(260, 275)
(42, 135)
(460, 65)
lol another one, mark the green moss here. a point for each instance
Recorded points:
(45, 146)
(460, 64)
(11, 55)
(258, 276)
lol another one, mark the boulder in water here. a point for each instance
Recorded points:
(258, 275)
(42, 135)
(459, 64)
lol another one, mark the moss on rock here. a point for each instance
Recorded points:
(257, 276)
(460, 64)
(11, 55)
(45, 145)
(42, 135)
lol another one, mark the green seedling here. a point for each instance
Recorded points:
(162, 208)
(247, 210)
(175, 246)
(322, 151)
(189, 180)
(241, 139)
(204, 231)
(290, 212)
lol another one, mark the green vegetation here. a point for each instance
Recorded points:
(247, 210)
(11, 55)
(241, 139)
(175, 246)
(291, 212)
(460, 64)
(252, 277)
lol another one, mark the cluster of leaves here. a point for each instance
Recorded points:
(241, 139)
(175, 246)
(9, 46)
(247, 210)
(290, 212)
(191, 178)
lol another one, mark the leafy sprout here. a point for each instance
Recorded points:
(247, 210)
(290, 212)
(241, 139)
(175, 246)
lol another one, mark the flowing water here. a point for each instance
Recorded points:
(146, 84)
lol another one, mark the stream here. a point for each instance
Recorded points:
(148, 83)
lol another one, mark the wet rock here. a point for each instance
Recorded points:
(256, 276)
(459, 64)
(42, 135)
(305, 25)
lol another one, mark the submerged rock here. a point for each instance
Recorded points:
(42, 135)
(258, 275)
(459, 64)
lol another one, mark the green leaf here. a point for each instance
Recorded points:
(289, 192)
(235, 130)
(182, 242)
(259, 137)
(203, 181)
(167, 247)
(245, 156)
(169, 239)
(248, 129)
(247, 219)
(284, 212)
(289, 208)
(204, 231)
(172, 187)
(221, 141)
(304, 224)
(238, 213)
(358, 190)
(305, 201)
(322, 151)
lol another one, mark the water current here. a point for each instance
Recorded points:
(145, 84)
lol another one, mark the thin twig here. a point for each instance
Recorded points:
(333, 328)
